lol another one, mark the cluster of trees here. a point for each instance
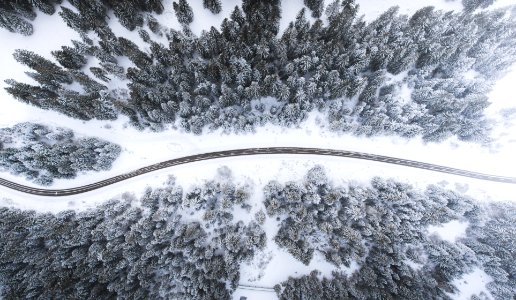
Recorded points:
(222, 78)
(382, 228)
(471, 5)
(175, 243)
(493, 243)
(217, 198)
(125, 249)
(41, 153)
(15, 15)
(215, 6)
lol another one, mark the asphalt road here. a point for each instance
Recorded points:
(256, 288)
(248, 152)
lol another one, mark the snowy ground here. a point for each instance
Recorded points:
(144, 148)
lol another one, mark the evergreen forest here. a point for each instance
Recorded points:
(246, 73)
(151, 248)
(41, 153)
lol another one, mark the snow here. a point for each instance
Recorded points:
(120, 30)
(471, 284)
(412, 264)
(282, 266)
(289, 11)
(470, 75)
(144, 148)
(42, 41)
(450, 231)
(405, 93)
(254, 294)
(502, 97)
(273, 264)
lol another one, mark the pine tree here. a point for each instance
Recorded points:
(73, 20)
(69, 58)
(46, 6)
(184, 12)
(471, 5)
(14, 23)
(213, 5)
(128, 15)
(316, 6)
(34, 95)
(23, 9)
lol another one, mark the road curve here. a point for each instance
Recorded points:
(248, 152)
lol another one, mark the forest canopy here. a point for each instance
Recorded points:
(246, 73)
(154, 247)
(41, 153)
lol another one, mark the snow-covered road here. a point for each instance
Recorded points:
(254, 151)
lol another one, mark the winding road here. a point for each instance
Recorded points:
(248, 152)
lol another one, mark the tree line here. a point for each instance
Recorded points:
(382, 228)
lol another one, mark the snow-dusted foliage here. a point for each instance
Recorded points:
(494, 244)
(215, 6)
(382, 229)
(184, 243)
(15, 15)
(41, 153)
(146, 249)
(471, 5)
(354, 71)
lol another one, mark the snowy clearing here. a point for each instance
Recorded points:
(450, 231)
(471, 284)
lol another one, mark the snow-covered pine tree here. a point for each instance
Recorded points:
(15, 23)
(316, 6)
(214, 6)
(184, 12)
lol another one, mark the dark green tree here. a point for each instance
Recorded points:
(213, 5)
(184, 12)
(316, 6)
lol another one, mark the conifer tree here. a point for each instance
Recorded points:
(69, 58)
(184, 12)
(213, 5)
(316, 6)
(15, 23)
